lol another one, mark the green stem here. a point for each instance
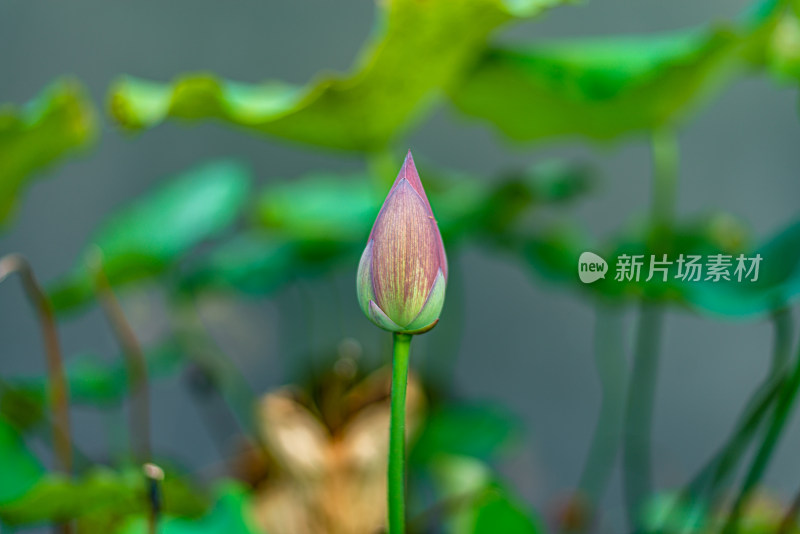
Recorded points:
(665, 176)
(57, 385)
(58, 388)
(706, 487)
(135, 361)
(397, 435)
(783, 409)
(637, 475)
(611, 369)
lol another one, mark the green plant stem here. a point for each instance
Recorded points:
(397, 435)
(637, 475)
(783, 408)
(759, 405)
(711, 480)
(636, 459)
(57, 385)
(782, 348)
(665, 175)
(135, 362)
(611, 369)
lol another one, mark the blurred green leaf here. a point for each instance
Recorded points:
(553, 253)
(251, 264)
(100, 497)
(148, 237)
(321, 207)
(778, 283)
(315, 222)
(479, 503)
(19, 467)
(57, 123)
(479, 431)
(600, 89)
(497, 511)
(23, 400)
(421, 48)
(230, 514)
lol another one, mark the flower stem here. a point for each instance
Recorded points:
(783, 409)
(397, 435)
(58, 390)
(637, 474)
(611, 369)
(134, 360)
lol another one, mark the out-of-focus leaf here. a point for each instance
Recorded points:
(321, 208)
(778, 283)
(485, 506)
(19, 467)
(230, 514)
(58, 122)
(322, 220)
(554, 254)
(497, 511)
(478, 431)
(151, 235)
(666, 513)
(783, 56)
(251, 264)
(422, 47)
(101, 496)
(22, 400)
(600, 89)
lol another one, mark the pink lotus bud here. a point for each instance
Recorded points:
(403, 271)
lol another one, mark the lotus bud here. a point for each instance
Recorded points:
(403, 271)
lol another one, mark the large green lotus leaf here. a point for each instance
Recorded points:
(101, 496)
(57, 123)
(23, 400)
(778, 283)
(19, 467)
(231, 514)
(148, 237)
(599, 89)
(421, 48)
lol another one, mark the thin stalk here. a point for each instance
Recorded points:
(760, 404)
(134, 361)
(637, 472)
(611, 369)
(712, 479)
(153, 475)
(782, 348)
(783, 408)
(57, 385)
(636, 459)
(397, 436)
(665, 174)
